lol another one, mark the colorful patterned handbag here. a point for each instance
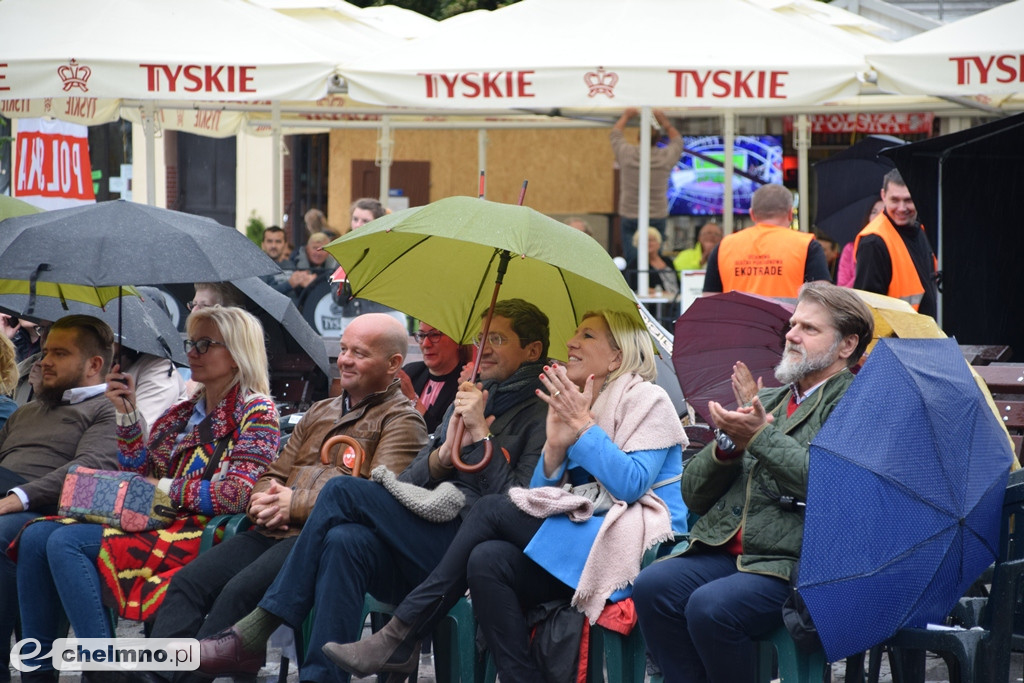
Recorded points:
(123, 500)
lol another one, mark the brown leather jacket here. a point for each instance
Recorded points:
(387, 425)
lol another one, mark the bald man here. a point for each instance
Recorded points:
(226, 582)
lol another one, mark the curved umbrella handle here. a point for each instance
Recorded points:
(343, 440)
(457, 462)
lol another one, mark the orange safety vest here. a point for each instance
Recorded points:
(905, 282)
(764, 259)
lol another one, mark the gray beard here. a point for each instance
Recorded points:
(790, 371)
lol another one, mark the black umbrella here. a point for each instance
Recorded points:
(286, 330)
(147, 328)
(848, 184)
(964, 185)
(125, 243)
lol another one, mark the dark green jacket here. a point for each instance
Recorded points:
(745, 491)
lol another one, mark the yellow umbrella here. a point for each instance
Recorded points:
(897, 318)
(86, 294)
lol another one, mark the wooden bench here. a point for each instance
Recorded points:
(977, 354)
(1006, 382)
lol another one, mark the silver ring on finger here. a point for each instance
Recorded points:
(557, 392)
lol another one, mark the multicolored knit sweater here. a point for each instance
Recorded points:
(252, 426)
(135, 568)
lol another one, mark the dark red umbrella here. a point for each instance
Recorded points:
(715, 332)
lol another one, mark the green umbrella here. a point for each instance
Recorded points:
(439, 263)
(446, 262)
(11, 207)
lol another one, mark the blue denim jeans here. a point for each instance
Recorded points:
(699, 616)
(10, 525)
(57, 571)
(357, 540)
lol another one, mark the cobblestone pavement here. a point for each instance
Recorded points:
(936, 669)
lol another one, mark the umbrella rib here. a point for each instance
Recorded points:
(476, 295)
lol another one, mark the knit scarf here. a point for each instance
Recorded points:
(638, 415)
(521, 385)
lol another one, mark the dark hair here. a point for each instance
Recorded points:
(368, 204)
(893, 177)
(528, 322)
(273, 228)
(849, 313)
(93, 337)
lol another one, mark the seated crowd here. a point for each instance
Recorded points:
(409, 526)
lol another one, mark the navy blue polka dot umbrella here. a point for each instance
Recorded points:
(904, 495)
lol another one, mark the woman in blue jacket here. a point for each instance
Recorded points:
(607, 421)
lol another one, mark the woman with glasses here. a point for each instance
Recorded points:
(607, 422)
(205, 454)
(432, 382)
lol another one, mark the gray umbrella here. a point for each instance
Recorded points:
(147, 328)
(125, 243)
(287, 331)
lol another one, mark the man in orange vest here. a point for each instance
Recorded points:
(892, 253)
(768, 258)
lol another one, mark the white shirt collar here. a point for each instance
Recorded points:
(79, 394)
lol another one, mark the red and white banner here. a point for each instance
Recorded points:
(898, 123)
(51, 164)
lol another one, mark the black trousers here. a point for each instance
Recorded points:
(219, 587)
(487, 557)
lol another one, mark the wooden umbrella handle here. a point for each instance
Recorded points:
(341, 439)
(457, 462)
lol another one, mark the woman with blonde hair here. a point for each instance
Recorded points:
(205, 454)
(8, 378)
(608, 423)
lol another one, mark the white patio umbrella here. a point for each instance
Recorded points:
(977, 55)
(186, 50)
(607, 54)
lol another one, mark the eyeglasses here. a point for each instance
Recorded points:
(202, 345)
(434, 336)
(495, 339)
(195, 305)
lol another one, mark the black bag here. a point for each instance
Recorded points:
(797, 618)
(557, 628)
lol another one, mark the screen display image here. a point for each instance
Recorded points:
(696, 184)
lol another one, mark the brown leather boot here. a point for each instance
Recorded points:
(394, 648)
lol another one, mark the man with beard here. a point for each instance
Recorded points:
(701, 612)
(892, 253)
(70, 421)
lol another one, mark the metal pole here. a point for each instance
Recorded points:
(481, 152)
(728, 142)
(149, 127)
(802, 142)
(385, 143)
(277, 180)
(643, 202)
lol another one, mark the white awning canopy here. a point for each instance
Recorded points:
(979, 55)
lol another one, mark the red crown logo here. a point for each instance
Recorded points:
(74, 76)
(601, 82)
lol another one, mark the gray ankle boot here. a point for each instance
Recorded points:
(394, 648)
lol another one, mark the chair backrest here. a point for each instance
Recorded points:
(1006, 382)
